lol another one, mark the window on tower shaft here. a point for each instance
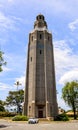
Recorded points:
(40, 36)
(48, 38)
(40, 17)
(40, 52)
(31, 59)
(32, 38)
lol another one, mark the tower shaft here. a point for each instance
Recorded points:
(40, 88)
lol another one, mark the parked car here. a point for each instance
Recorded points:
(33, 120)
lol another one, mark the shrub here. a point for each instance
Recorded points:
(20, 118)
(70, 115)
(7, 114)
(62, 117)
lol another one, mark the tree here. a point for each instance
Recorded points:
(2, 105)
(16, 98)
(2, 62)
(70, 95)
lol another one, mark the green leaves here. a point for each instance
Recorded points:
(15, 98)
(20, 118)
(2, 105)
(70, 95)
(2, 62)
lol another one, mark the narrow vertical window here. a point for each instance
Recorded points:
(32, 38)
(40, 17)
(40, 52)
(40, 36)
(48, 38)
(31, 59)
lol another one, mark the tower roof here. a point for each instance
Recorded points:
(40, 22)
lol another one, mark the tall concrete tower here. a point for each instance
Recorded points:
(40, 88)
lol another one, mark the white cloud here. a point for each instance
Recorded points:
(4, 86)
(10, 0)
(66, 65)
(10, 22)
(69, 76)
(6, 22)
(5, 69)
(73, 25)
(15, 62)
(65, 59)
(51, 6)
(61, 103)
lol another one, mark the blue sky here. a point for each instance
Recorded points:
(16, 21)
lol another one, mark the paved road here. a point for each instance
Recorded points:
(7, 125)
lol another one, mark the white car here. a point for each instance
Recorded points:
(33, 120)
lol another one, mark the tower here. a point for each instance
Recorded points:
(40, 88)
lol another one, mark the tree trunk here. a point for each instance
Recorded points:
(74, 110)
(75, 117)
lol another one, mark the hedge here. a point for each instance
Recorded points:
(62, 117)
(20, 118)
(7, 114)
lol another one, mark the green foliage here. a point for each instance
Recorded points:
(2, 106)
(20, 118)
(62, 117)
(70, 115)
(16, 98)
(70, 95)
(69, 111)
(2, 62)
(7, 114)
